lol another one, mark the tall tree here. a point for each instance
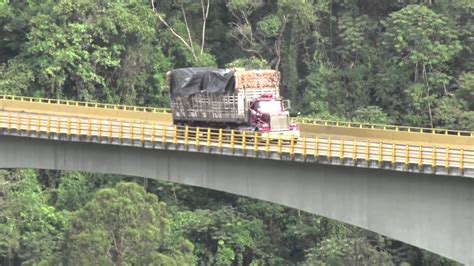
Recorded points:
(125, 225)
(424, 41)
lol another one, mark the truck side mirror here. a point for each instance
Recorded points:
(286, 105)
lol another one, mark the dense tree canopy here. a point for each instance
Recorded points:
(406, 62)
(124, 225)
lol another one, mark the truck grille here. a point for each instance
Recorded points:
(279, 122)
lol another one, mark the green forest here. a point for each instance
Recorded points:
(403, 62)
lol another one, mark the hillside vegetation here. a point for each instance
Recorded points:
(379, 61)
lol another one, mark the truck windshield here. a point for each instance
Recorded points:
(269, 106)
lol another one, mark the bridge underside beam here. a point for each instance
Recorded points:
(429, 211)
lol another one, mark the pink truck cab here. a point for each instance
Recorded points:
(270, 115)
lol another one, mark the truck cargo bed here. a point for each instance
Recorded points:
(209, 108)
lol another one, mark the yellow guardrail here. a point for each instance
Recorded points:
(67, 107)
(86, 104)
(441, 131)
(308, 125)
(334, 150)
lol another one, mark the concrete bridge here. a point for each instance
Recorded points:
(387, 188)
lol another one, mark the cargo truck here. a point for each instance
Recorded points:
(247, 100)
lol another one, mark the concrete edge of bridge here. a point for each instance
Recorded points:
(272, 155)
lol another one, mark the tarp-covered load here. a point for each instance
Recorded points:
(186, 82)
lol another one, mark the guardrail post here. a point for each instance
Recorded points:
(433, 159)
(28, 124)
(220, 140)
(175, 135)
(380, 154)
(255, 144)
(142, 134)
(367, 153)
(163, 140)
(110, 131)
(446, 165)
(197, 140)
(38, 126)
(461, 160)
(329, 151)
(267, 146)
(9, 123)
(208, 140)
(394, 155)
(121, 132)
(279, 146)
(99, 137)
(354, 152)
(68, 128)
(186, 137)
(341, 152)
(58, 127)
(232, 138)
(304, 149)
(292, 148)
(48, 127)
(18, 124)
(420, 157)
(407, 156)
(243, 142)
(89, 130)
(153, 132)
(316, 149)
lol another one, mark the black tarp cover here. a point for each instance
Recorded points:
(185, 82)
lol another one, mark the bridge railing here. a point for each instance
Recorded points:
(332, 150)
(86, 104)
(442, 131)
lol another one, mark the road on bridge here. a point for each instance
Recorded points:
(439, 159)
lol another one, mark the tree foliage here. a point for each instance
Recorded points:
(124, 225)
(31, 229)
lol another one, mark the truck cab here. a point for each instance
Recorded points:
(271, 114)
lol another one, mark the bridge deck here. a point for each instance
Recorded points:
(338, 150)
